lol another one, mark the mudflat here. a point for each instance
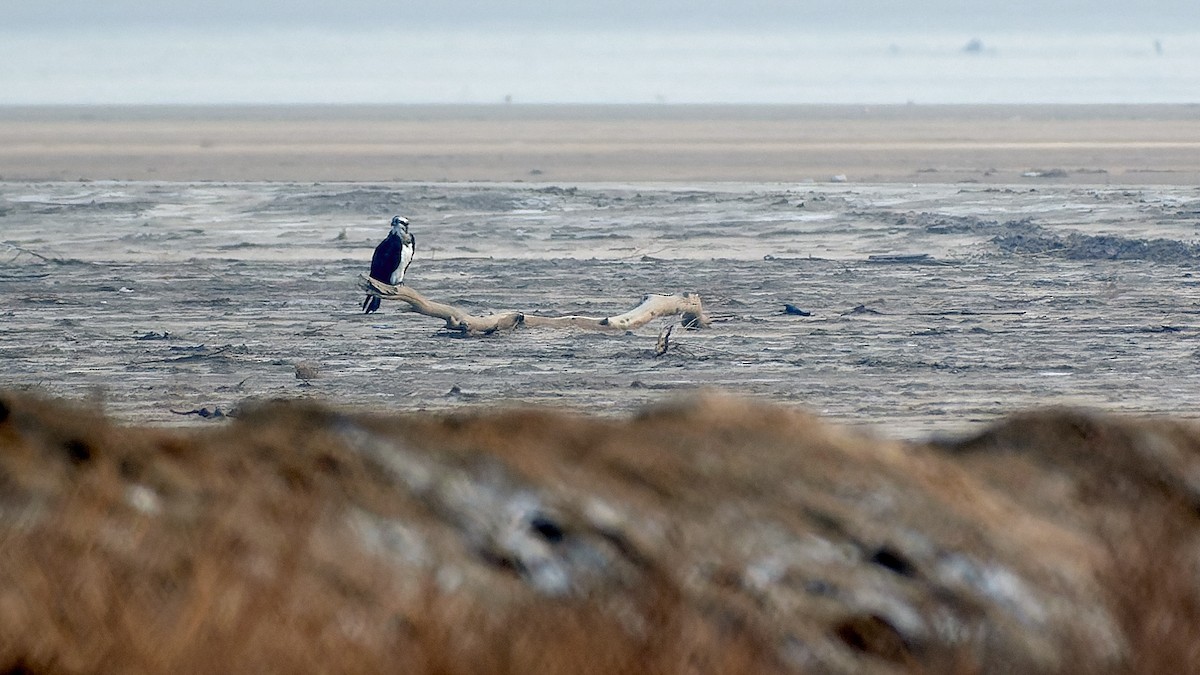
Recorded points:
(1087, 144)
(917, 309)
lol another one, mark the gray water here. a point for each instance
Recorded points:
(176, 65)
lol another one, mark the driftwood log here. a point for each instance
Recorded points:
(653, 306)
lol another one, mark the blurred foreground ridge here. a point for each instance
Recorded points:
(709, 534)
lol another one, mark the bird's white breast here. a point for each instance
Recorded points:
(406, 255)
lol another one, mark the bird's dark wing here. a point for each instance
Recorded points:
(384, 262)
(386, 259)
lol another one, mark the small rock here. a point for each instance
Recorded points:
(457, 392)
(307, 370)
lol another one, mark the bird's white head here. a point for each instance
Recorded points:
(399, 224)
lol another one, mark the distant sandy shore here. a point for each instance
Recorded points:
(925, 144)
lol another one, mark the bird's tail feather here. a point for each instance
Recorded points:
(370, 304)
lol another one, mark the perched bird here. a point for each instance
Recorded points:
(391, 259)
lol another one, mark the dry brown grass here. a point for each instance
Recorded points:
(231, 550)
(233, 574)
(1129, 481)
(1153, 586)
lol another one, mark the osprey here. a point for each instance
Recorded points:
(391, 259)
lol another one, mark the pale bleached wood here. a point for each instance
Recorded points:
(456, 319)
(653, 306)
(686, 305)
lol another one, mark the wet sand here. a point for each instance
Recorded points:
(1124, 145)
(932, 307)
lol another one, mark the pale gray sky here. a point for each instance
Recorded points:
(1164, 16)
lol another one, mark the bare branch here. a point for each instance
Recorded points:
(653, 306)
(456, 319)
(664, 341)
(21, 249)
